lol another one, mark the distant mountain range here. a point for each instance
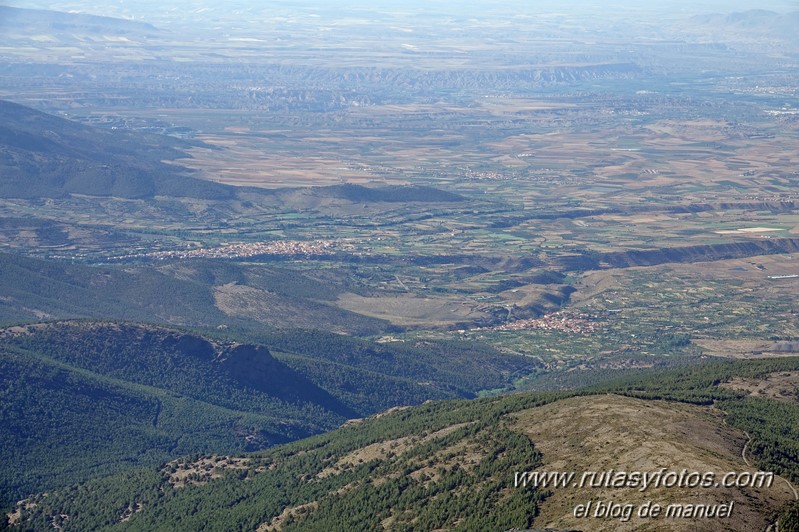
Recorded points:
(752, 23)
(22, 22)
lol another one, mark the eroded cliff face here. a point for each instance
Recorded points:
(700, 253)
(249, 364)
(772, 206)
(188, 344)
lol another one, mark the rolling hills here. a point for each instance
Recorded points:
(201, 294)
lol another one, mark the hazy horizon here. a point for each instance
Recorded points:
(152, 10)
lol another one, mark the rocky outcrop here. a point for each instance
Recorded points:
(254, 367)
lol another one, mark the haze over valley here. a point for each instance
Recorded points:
(358, 265)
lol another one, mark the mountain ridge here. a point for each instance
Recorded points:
(42, 155)
(45, 19)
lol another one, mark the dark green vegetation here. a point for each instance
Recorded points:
(390, 194)
(111, 396)
(789, 521)
(439, 465)
(35, 289)
(461, 367)
(772, 425)
(179, 295)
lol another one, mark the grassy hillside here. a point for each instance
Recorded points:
(453, 465)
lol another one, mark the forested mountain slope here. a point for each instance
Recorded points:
(462, 465)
